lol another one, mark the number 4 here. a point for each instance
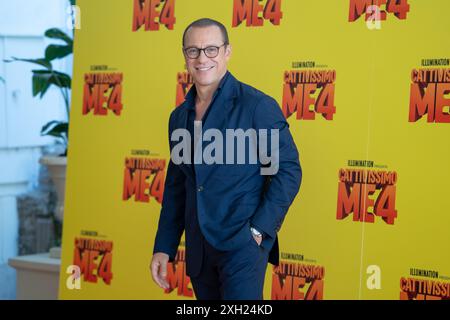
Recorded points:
(168, 14)
(272, 11)
(399, 7)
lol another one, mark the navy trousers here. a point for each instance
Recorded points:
(231, 275)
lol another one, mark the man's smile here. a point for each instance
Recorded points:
(203, 68)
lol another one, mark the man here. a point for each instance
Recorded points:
(230, 213)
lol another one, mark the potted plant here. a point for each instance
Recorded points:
(42, 79)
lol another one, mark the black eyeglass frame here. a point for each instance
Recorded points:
(204, 51)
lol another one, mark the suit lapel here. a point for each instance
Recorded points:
(218, 119)
(183, 123)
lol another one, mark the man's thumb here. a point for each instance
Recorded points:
(163, 270)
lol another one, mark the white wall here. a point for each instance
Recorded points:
(22, 25)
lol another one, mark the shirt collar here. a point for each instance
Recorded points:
(190, 96)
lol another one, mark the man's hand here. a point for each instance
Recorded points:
(257, 239)
(158, 267)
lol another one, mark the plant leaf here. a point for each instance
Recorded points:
(56, 129)
(56, 51)
(42, 79)
(40, 85)
(42, 62)
(45, 127)
(55, 33)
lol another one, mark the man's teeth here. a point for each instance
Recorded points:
(204, 69)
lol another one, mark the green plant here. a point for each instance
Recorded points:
(47, 76)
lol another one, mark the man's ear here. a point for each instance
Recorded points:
(184, 57)
(228, 51)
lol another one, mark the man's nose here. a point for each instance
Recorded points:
(202, 57)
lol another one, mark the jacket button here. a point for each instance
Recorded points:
(200, 189)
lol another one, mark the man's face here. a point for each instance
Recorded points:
(206, 71)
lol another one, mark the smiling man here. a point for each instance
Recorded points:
(230, 213)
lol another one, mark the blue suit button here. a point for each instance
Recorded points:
(200, 189)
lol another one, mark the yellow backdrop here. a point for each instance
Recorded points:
(368, 106)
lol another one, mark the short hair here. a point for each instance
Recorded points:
(206, 22)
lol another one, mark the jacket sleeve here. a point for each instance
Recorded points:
(171, 221)
(284, 184)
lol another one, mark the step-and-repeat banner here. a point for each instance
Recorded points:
(365, 87)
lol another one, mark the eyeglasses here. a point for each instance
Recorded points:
(210, 52)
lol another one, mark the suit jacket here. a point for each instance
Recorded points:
(222, 201)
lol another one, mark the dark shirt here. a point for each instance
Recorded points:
(190, 99)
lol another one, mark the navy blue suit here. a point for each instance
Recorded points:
(215, 204)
